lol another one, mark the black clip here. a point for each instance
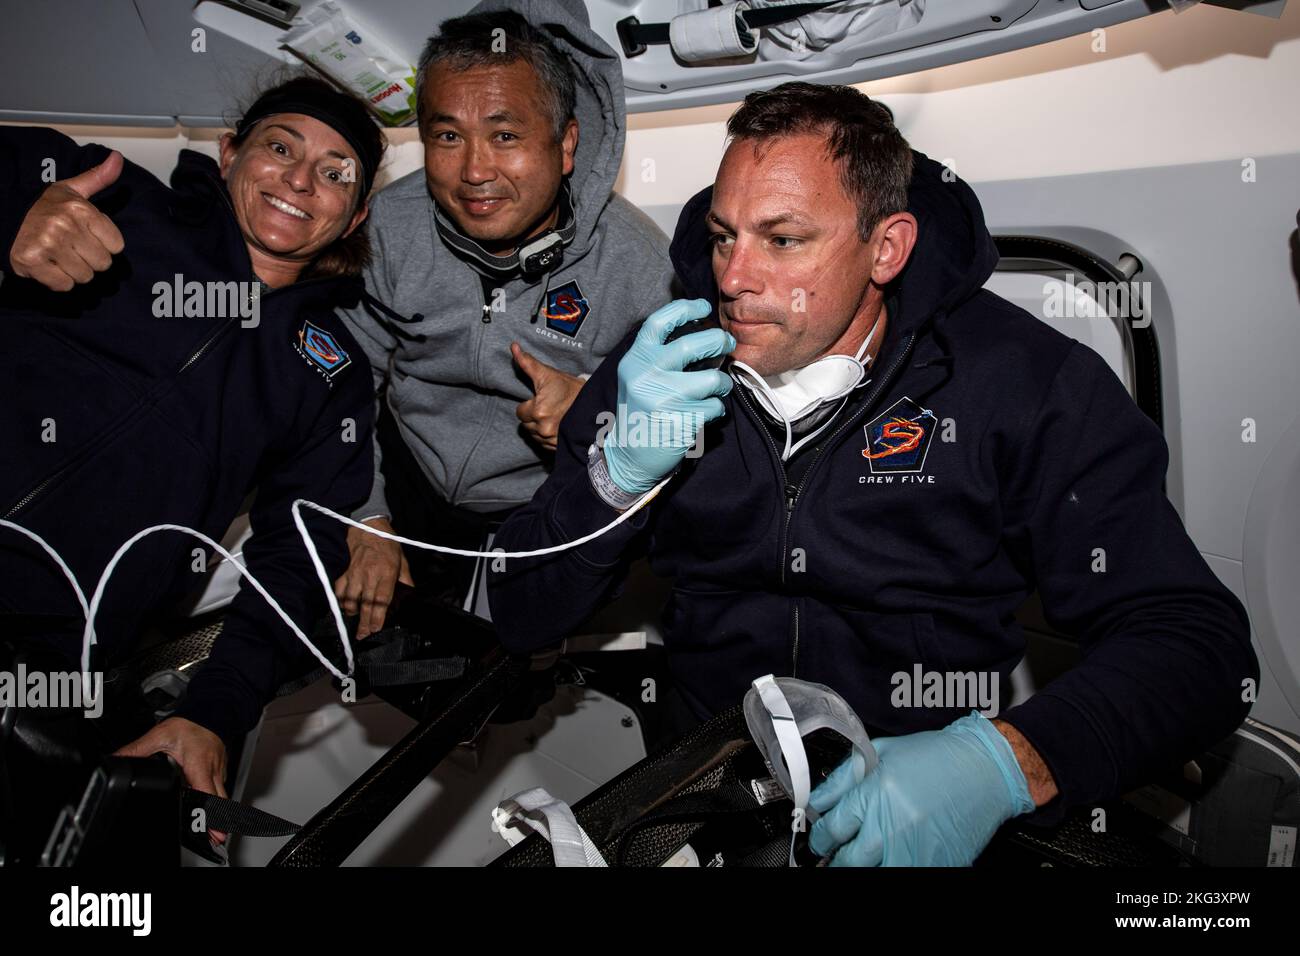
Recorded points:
(627, 36)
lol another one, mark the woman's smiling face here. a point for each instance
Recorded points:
(294, 183)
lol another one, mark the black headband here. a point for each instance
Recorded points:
(341, 113)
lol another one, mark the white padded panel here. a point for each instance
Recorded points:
(1084, 320)
(1271, 568)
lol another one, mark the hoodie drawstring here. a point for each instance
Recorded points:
(546, 290)
(373, 303)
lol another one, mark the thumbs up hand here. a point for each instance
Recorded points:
(64, 239)
(553, 393)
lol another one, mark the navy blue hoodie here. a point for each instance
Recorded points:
(170, 420)
(864, 567)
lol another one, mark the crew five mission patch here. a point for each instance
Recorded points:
(566, 309)
(898, 438)
(321, 350)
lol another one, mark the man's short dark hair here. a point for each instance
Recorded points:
(875, 160)
(473, 40)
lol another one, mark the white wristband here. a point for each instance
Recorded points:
(603, 484)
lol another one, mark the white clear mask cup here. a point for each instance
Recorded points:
(781, 711)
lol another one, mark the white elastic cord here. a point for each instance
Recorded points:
(88, 639)
(787, 451)
(570, 844)
(337, 612)
(830, 420)
(791, 743)
(90, 610)
(87, 691)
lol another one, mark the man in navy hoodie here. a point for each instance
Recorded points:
(907, 457)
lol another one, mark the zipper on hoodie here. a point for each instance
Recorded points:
(110, 432)
(207, 343)
(454, 488)
(225, 327)
(105, 437)
(852, 422)
(791, 493)
(482, 334)
(787, 497)
(36, 492)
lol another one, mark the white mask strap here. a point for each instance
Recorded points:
(830, 419)
(862, 350)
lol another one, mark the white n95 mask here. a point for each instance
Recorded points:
(806, 394)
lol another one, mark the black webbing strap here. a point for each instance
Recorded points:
(771, 855)
(732, 798)
(396, 673)
(383, 662)
(770, 16)
(635, 36)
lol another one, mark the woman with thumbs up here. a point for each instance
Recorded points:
(170, 350)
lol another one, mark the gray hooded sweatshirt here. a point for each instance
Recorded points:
(452, 383)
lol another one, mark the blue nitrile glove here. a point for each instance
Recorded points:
(935, 799)
(664, 406)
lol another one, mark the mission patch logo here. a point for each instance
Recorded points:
(566, 309)
(321, 350)
(898, 439)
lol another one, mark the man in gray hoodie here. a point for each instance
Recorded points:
(505, 272)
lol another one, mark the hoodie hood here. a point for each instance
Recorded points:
(599, 106)
(953, 257)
